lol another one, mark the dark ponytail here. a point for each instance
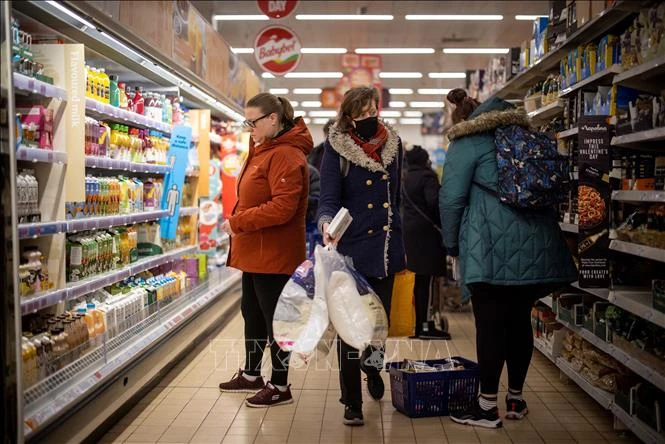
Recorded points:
(464, 105)
(270, 103)
(286, 118)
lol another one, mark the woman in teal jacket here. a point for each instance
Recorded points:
(508, 258)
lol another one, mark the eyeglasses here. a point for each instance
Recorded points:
(252, 123)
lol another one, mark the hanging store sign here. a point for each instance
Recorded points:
(277, 9)
(277, 50)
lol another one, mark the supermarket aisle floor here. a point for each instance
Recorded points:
(188, 407)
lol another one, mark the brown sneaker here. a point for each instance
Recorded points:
(240, 384)
(270, 396)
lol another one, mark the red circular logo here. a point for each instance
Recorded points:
(277, 9)
(277, 50)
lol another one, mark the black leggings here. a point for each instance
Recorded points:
(503, 332)
(349, 359)
(260, 293)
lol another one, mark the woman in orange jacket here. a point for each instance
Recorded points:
(267, 232)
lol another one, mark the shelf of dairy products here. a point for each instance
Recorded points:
(40, 155)
(569, 228)
(639, 196)
(547, 112)
(106, 163)
(35, 86)
(594, 80)
(38, 229)
(644, 251)
(632, 363)
(567, 134)
(639, 139)
(645, 76)
(601, 396)
(110, 112)
(188, 211)
(51, 397)
(75, 290)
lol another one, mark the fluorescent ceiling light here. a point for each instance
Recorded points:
(310, 104)
(452, 17)
(439, 91)
(388, 113)
(390, 121)
(323, 113)
(320, 121)
(299, 113)
(400, 91)
(413, 114)
(314, 75)
(447, 75)
(343, 17)
(307, 120)
(242, 50)
(72, 14)
(397, 104)
(400, 75)
(236, 17)
(306, 90)
(293, 103)
(426, 104)
(529, 17)
(415, 121)
(279, 90)
(267, 75)
(323, 50)
(395, 51)
(475, 50)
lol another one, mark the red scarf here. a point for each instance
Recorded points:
(373, 147)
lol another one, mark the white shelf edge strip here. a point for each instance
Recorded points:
(568, 133)
(78, 390)
(654, 134)
(569, 228)
(113, 112)
(124, 165)
(612, 70)
(602, 397)
(639, 70)
(37, 86)
(644, 251)
(545, 109)
(40, 155)
(638, 196)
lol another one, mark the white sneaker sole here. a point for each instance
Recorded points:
(253, 392)
(482, 423)
(265, 406)
(354, 422)
(517, 415)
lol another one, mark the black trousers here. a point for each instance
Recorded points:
(503, 332)
(422, 292)
(260, 293)
(350, 358)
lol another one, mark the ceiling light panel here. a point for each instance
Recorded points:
(267, 75)
(320, 121)
(397, 91)
(447, 75)
(307, 120)
(530, 17)
(475, 50)
(401, 75)
(413, 113)
(306, 90)
(293, 103)
(394, 51)
(238, 17)
(453, 17)
(358, 17)
(397, 104)
(300, 113)
(323, 114)
(414, 121)
(388, 113)
(278, 90)
(242, 50)
(314, 75)
(310, 104)
(426, 104)
(323, 50)
(390, 121)
(437, 91)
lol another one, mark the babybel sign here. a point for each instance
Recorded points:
(277, 50)
(277, 9)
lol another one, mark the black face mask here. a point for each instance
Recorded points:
(366, 128)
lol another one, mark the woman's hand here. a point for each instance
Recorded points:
(327, 239)
(226, 226)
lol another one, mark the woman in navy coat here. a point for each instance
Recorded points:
(361, 171)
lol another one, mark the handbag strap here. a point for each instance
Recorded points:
(422, 213)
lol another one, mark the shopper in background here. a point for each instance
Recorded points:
(425, 255)
(313, 236)
(267, 231)
(316, 156)
(508, 258)
(361, 171)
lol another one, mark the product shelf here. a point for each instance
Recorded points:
(52, 397)
(639, 196)
(569, 228)
(596, 79)
(603, 293)
(38, 229)
(638, 139)
(639, 428)
(567, 134)
(644, 251)
(35, 86)
(540, 346)
(601, 396)
(626, 359)
(75, 290)
(642, 76)
(109, 112)
(40, 155)
(188, 211)
(547, 112)
(104, 163)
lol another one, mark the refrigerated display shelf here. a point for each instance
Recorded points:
(601, 396)
(640, 138)
(547, 112)
(52, 397)
(188, 211)
(596, 79)
(75, 290)
(639, 428)
(639, 196)
(569, 228)
(626, 359)
(639, 76)
(643, 251)
(35, 86)
(40, 155)
(37, 229)
(567, 134)
(106, 163)
(109, 112)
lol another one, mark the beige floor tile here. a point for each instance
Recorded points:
(146, 433)
(178, 434)
(556, 435)
(239, 439)
(271, 440)
(526, 437)
(468, 437)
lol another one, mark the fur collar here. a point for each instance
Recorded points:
(489, 121)
(347, 148)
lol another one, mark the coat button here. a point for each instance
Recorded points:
(386, 228)
(370, 231)
(386, 205)
(385, 177)
(370, 206)
(369, 182)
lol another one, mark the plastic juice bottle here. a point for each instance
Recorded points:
(128, 143)
(103, 140)
(138, 101)
(100, 326)
(88, 89)
(164, 108)
(122, 95)
(106, 86)
(88, 323)
(130, 99)
(96, 83)
(114, 98)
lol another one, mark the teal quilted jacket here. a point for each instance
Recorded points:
(496, 244)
